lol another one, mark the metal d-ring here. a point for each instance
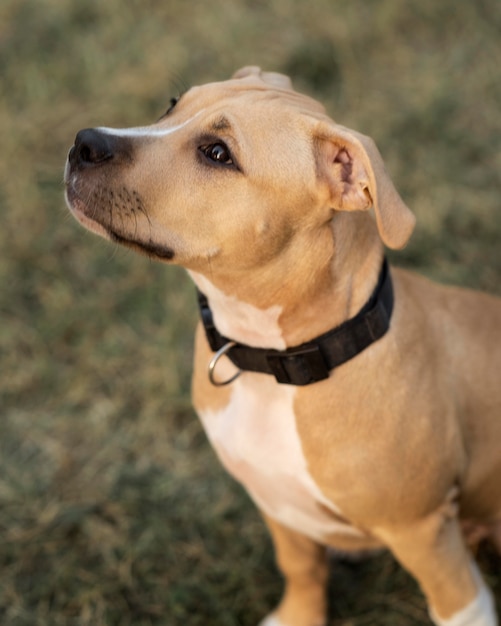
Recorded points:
(213, 362)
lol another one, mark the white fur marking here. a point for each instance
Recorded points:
(271, 620)
(256, 439)
(145, 131)
(241, 321)
(480, 612)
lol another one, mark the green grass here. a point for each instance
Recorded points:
(113, 509)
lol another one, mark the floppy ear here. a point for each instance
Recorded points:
(357, 180)
(270, 78)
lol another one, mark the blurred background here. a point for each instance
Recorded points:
(113, 508)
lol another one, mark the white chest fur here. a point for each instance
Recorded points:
(256, 439)
(255, 434)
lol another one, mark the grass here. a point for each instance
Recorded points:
(113, 509)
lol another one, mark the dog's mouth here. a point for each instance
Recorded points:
(150, 249)
(102, 215)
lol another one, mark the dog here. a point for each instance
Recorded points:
(359, 405)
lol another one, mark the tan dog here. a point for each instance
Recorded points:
(265, 200)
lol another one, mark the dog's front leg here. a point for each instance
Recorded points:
(303, 563)
(433, 550)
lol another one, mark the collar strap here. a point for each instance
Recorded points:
(312, 361)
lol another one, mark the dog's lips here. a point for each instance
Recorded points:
(80, 211)
(151, 249)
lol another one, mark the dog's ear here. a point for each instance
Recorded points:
(270, 78)
(357, 180)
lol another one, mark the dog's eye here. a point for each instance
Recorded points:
(218, 153)
(172, 104)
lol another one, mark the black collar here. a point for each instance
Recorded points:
(312, 361)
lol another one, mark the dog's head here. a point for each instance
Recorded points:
(232, 175)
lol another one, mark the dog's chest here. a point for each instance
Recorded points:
(257, 441)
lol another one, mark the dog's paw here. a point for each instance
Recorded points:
(273, 620)
(480, 612)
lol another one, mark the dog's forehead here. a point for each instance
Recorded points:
(250, 95)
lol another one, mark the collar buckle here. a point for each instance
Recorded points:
(300, 366)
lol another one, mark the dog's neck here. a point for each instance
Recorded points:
(240, 320)
(305, 306)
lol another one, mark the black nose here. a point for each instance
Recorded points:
(94, 147)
